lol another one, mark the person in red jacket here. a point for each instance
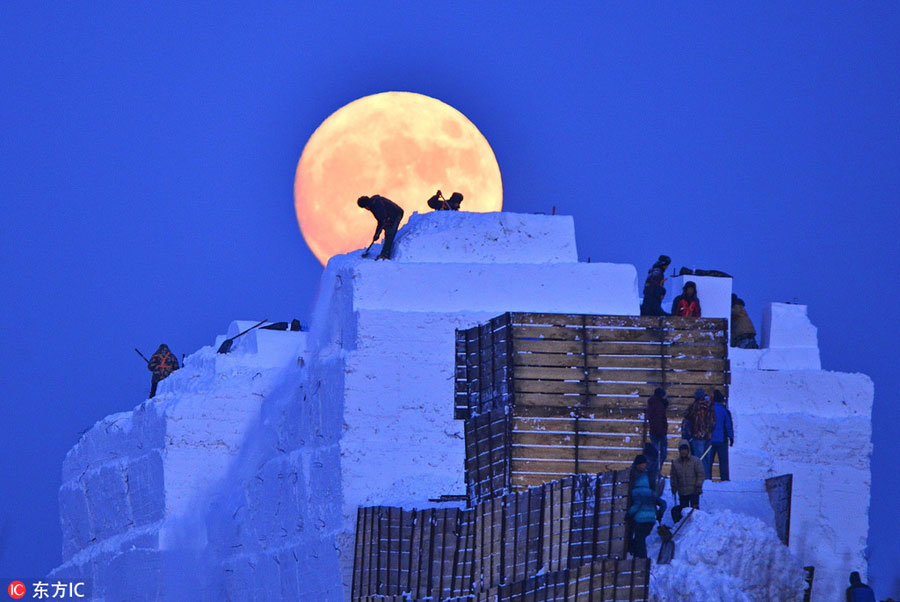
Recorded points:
(161, 364)
(687, 304)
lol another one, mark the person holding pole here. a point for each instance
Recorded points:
(388, 214)
(161, 364)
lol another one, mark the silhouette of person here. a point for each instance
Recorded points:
(653, 288)
(388, 214)
(439, 203)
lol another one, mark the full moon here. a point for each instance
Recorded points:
(401, 145)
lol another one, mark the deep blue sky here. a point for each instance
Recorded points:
(147, 155)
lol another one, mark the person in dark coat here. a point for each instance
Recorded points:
(722, 435)
(161, 364)
(439, 203)
(658, 426)
(388, 214)
(859, 591)
(652, 454)
(702, 419)
(687, 304)
(743, 334)
(653, 288)
(646, 508)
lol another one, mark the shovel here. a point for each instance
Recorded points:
(366, 252)
(667, 549)
(225, 347)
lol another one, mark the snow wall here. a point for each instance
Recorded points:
(241, 479)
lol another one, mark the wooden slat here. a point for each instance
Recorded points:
(357, 555)
(679, 323)
(531, 478)
(584, 425)
(590, 460)
(557, 440)
(550, 373)
(580, 319)
(690, 350)
(600, 388)
(621, 335)
(654, 349)
(567, 454)
(559, 333)
(577, 360)
(621, 404)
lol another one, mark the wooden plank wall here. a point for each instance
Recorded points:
(488, 454)
(483, 369)
(450, 552)
(603, 580)
(780, 490)
(578, 384)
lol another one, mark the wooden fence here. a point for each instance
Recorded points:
(780, 490)
(547, 395)
(604, 580)
(451, 552)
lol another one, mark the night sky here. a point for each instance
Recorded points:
(147, 157)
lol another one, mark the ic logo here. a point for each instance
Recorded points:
(16, 590)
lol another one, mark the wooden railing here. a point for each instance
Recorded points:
(499, 546)
(547, 395)
(604, 580)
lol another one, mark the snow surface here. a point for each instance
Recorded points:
(241, 479)
(722, 556)
(486, 238)
(788, 341)
(817, 426)
(744, 497)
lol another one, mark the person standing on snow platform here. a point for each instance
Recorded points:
(161, 364)
(646, 508)
(859, 591)
(743, 334)
(388, 214)
(687, 305)
(722, 435)
(653, 288)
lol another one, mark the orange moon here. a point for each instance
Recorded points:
(401, 145)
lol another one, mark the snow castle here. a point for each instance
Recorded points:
(241, 480)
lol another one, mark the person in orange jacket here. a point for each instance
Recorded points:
(687, 304)
(161, 364)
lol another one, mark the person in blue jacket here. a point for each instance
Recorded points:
(722, 435)
(646, 508)
(859, 591)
